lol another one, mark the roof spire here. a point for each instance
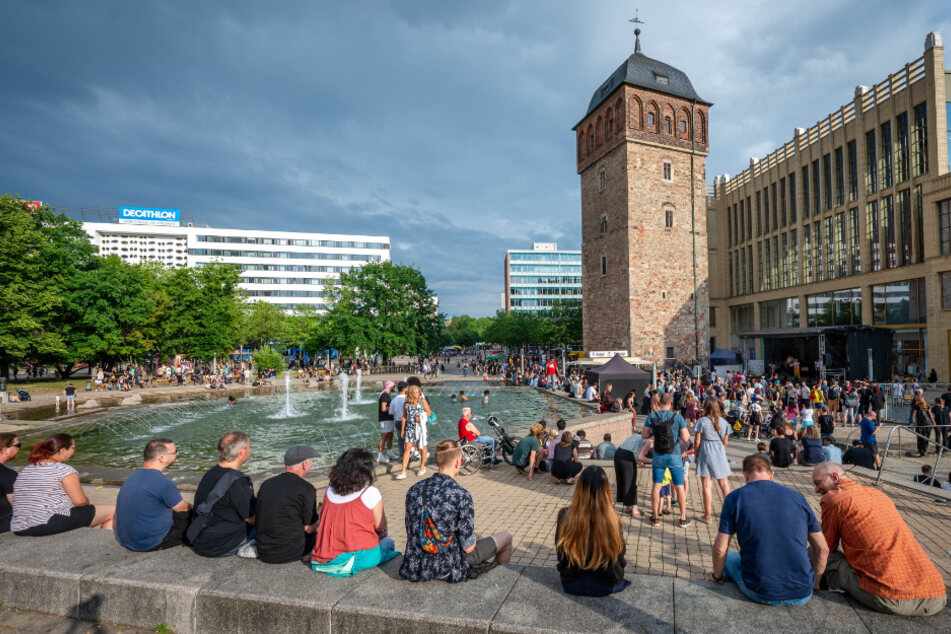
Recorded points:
(637, 32)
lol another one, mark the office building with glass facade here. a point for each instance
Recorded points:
(848, 224)
(286, 268)
(541, 277)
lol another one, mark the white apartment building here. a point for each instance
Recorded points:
(286, 268)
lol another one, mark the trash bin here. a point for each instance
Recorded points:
(88, 385)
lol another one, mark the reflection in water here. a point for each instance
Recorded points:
(117, 438)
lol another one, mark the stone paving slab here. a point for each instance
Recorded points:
(27, 621)
(384, 603)
(647, 605)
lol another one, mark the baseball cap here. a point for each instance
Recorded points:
(297, 454)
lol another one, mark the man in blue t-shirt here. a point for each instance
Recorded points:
(664, 459)
(150, 512)
(773, 525)
(868, 427)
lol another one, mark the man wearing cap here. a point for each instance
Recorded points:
(287, 510)
(387, 424)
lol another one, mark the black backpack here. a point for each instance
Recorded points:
(663, 432)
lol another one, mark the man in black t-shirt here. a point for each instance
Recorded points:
(826, 422)
(232, 516)
(859, 455)
(9, 446)
(782, 451)
(286, 511)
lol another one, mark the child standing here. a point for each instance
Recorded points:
(666, 500)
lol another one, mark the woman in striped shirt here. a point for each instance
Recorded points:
(47, 496)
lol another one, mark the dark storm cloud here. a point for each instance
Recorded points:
(445, 125)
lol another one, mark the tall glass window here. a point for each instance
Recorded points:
(901, 149)
(888, 219)
(782, 200)
(874, 236)
(838, 308)
(919, 225)
(749, 210)
(775, 207)
(899, 303)
(769, 227)
(904, 222)
(841, 248)
(807, 252)
(816, 194)
(853, 171)
(920, 139)
(830, 248)
(784, 240)
(749, 219)
(794, 258)
(776, 269)
(871, 173)
(759, 217)
(805, 192)
(855, 243)
(944, 224)
(792, 197)
(827, 180)
(759, 266)
(886, 167)
(817, 249)
(839, 178)
(779, 313)
(749, 267)
(767, 273)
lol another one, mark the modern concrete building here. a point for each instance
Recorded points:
(848, 224)
(286, 268)
(540, 277)
(641, 147)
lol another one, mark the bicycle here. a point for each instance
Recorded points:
(475, 454)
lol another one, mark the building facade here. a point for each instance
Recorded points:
(285, 268)
(848, 224)
(641, 148)
(541, 277)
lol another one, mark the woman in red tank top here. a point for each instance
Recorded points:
(352, 531)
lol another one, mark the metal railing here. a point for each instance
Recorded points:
(911, 430)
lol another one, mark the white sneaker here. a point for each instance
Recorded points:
(401, 476)
(249, 550)
(421, 472)
(391, 455)
(381, 458)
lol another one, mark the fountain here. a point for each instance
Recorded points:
(344, 410)
(288, 411)
(358, 393)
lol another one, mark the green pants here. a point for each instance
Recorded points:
(840, 576)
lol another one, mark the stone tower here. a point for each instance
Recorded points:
(635, 152)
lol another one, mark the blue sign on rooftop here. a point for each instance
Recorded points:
(149, 216)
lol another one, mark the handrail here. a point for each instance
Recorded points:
(934, 470)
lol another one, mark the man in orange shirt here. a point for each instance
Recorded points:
(881, 564)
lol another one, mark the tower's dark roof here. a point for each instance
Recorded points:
(643, 72)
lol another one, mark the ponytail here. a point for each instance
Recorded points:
(44, 450)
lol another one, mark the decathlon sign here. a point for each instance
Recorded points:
(149, 216)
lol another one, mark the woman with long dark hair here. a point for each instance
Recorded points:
(352, 534)
(47, 495)
(589, 539)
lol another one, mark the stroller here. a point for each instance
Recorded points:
(23, 394)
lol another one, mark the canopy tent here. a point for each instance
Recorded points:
(722, 356)
(622, 376)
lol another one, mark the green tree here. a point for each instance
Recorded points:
(268, 359)
(382, 308)
(263, 322)
(29, 295)
(203, 315)
(104, 313)
(300, 322)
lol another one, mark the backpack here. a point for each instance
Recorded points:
(922, 419)
(663, 432)
(851, 399)
(203, 511)
(430, 539)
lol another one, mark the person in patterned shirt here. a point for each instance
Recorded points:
(451, 510)
(881, 564)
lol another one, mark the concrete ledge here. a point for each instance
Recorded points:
(86, 574)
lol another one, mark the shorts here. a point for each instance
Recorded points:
(485, 549)
(387, 426)
(872, 446)
(79, 516)
(70, 398)
(671, 461)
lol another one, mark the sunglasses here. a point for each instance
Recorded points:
(16, 446)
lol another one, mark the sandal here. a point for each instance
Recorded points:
(705, 520)
(665, 512)
(655, 520)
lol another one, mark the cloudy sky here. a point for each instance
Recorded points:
(443, 124)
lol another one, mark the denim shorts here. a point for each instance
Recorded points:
(671, 461)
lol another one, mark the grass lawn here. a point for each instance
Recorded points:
(45, 386)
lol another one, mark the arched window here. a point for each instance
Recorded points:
(599, 132)
(604, 224)
(701, 128)
(618, 116)
(650, 120)
(669, 218)
(668, 125)
(590, 139)
(668, 171)
(609, 125)
(635, 112)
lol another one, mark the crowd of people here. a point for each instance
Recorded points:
(860, 545)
